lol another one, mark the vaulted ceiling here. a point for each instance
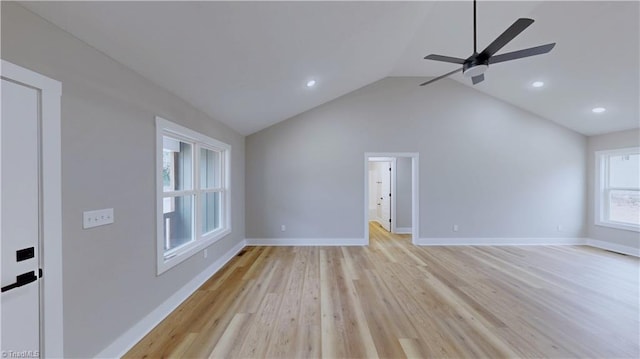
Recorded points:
(247, 63)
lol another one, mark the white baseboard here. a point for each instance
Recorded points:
(613, 247)
(306, 242)
(403, 230)
(131, 337)
(499, 241)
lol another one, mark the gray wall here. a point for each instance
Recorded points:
(403, 192)
(108, 154)
(610, 141)
(491, 168)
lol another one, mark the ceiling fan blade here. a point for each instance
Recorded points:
(477, 79)
(532, 51)
(509, 34)
(435, 57)
(441, 77)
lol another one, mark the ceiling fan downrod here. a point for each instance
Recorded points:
(475, 34)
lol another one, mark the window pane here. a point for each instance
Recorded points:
(624, 206)
(178, 224)
(211, 211)
(624, 171)
(176, 165)
(210, 168)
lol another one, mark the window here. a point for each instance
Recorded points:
(193, 192)
(618, 188)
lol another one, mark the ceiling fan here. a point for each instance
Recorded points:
(475, 65)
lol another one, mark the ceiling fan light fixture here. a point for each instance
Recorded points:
(476, 70)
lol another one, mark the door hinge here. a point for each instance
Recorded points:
(389, 220)
(389, 194)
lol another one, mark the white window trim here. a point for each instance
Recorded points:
(601, 184)
(166, 261)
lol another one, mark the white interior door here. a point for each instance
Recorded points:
(380, 192)
(373, 194)
(385, 194)
(20, 220)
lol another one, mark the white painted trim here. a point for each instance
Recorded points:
(501, 241)
(616, 225)
(131, 337)
(198, 141)
(320, 242)
(381, 159)
(613, 247)
(403, 230)
(51, 299)
(31, 78)
(602, 184)
(415, 194)
(415, 198)
(535, 241)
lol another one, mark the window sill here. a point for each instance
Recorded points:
(188, 250)
(617, 225)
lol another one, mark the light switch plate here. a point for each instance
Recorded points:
(97, 218)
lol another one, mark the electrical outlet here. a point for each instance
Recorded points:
(97, 218)
(455, 228)
(283, 228)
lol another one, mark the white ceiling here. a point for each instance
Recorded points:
(247, 63)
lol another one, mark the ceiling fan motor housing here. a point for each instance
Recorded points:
(474, 66)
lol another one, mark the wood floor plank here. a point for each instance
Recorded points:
(353, 312)
(255, 340)
(332, 323)
(230, 337)
(285, 332)
(395, 300)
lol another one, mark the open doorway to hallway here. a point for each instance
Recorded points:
(382, 197)
(391, 194)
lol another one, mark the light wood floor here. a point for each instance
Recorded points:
(394, 300)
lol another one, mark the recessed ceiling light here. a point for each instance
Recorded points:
(598, 110)
(537, 84)
(311, 83)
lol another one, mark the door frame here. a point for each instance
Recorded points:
(415, 195)
(50, 245)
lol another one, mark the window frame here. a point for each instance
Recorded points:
(602, 189)
(168, 259)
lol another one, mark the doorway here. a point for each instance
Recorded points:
(391, 193)
(30, 219)
(381, 175)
